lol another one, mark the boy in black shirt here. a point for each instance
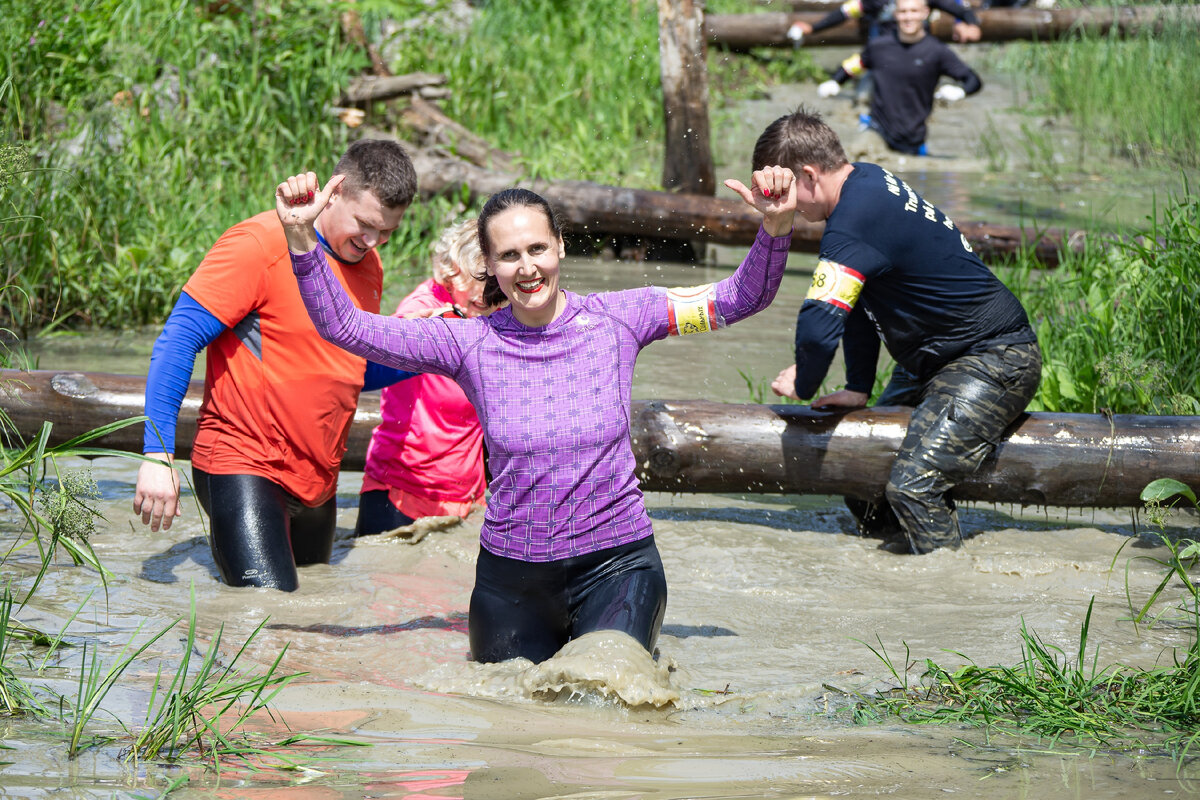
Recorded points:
(905, 66)
(894, 267)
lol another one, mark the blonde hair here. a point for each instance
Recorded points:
(457, 258)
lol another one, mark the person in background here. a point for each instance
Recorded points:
(877, 17)
(566, 547)
(278, 399)
(906, 66)
(426, 456)
(893, 267)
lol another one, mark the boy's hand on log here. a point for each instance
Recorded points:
(773, 194)
(299, 200)
(844, 399)
(784, 384)
(966, 32)
(156, 497)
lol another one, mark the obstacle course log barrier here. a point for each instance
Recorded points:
(698, 446)
(595, 209)
(769, 29)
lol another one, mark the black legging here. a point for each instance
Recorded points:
(531, 609)
(260, 531)
(376, 514)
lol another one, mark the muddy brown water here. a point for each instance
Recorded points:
(773, 613)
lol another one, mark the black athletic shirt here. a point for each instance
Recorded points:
(892, 266)
(906, 76)
(876, 17)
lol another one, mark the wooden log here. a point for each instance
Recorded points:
(595, 209)
(435, 129)
(368, 88)
(696, 446)
(687, 161)
(743, 31)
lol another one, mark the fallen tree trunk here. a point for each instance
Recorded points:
(368, 88)
(437, 130)
(1076, 460)
(743, 31)
(595, 209)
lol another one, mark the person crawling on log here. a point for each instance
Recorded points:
(566, 546)
(906, 65)
(878, 18)
(278, 399)
(894, 267)
(425, 458)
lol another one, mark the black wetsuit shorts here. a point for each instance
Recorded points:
(261, 532)
(531, 609)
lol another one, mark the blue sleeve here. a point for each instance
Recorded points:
(818, 331)
(860, 349)
(377, 376)
(188, 330)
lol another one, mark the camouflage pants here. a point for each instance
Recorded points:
(959, 416)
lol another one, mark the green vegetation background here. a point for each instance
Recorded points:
(133, 133)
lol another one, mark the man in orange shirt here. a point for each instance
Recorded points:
(278, 399)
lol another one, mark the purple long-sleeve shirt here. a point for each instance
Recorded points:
(554, 401)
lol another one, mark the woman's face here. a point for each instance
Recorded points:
(524, 258)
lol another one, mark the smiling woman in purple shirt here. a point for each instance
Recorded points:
(566, 546)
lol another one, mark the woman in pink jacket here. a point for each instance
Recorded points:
(426, 457)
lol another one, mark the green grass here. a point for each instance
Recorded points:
(1118, 323)
(573, 88)
(1136, 96)
(135, 132)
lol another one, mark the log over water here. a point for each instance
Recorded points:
(742, 31)
(697, 446)
(596, 209)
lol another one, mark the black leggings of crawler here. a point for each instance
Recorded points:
(376, 514)
(531, 609)
(261, 532)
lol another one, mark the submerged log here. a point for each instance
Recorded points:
(595, 209)
(743, 31)
(696, 446)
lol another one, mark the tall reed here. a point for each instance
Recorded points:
(1138, 94)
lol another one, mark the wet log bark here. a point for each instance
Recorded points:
(687, 162)
(742, 31)
(595, 209)
(696, 446)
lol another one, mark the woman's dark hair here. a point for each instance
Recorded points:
(502, 201)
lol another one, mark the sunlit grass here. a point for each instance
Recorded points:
(1137, 95)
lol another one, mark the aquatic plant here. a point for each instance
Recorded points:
(1065, 701)
(1058, 700)
(16, 696)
